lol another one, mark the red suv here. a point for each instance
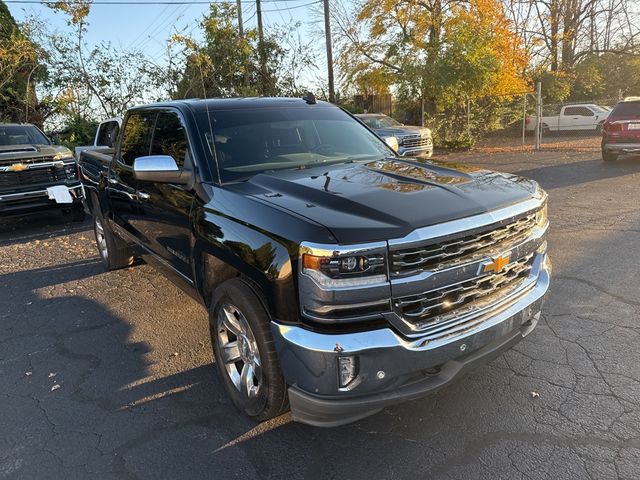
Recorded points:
(621, 130)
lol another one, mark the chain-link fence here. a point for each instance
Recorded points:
(573, 125)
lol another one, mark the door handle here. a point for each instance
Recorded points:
(143, 195)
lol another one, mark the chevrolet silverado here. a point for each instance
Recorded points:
(339, 277)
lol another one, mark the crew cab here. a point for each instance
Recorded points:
(574, 117)
(339, 277)
(621, 131)
(36, 175)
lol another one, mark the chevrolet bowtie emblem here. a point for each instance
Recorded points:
(496, 265)
(17, 167)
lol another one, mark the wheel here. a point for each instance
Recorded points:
(245, 355)
(114, 252)
(545, 129)
(609, 157)
(599, 128)
(74, 214)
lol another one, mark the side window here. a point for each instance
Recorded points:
(107, 134)
(136, 136)
(572, 111)
(586, 112)
(170, 138)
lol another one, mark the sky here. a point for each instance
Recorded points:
(147, 27)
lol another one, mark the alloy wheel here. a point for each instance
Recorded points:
(239, 350)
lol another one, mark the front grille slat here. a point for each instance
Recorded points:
(412, 260)
(426, 307)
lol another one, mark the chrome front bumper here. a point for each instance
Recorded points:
(412, 367)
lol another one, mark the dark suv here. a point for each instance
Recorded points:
(35, 175)
(621, 130)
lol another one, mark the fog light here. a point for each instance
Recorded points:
(347, 370)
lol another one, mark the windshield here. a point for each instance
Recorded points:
(600, 109)
(21, 135)
(381, 121)
(248, 141)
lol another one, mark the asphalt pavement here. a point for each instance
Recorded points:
(109, 374)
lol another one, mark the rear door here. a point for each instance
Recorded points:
(577, 118)
(121, 188)
(164, 223)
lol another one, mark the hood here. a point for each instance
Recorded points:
(364, 202)
(10, 154)
(403, 131)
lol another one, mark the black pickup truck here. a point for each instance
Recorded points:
(339, 277)
(36, 175)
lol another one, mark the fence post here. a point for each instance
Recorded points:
(524, 119)
(539, 114)
(468, 118)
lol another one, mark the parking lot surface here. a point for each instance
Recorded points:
(110, 375)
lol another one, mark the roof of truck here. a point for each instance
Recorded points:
(202, 105)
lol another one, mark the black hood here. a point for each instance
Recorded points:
(363, 202)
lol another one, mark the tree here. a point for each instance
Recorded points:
(19, 68)
(442, 51)
(227, 64)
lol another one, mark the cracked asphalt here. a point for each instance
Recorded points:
(110, 375)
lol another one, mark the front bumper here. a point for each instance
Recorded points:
(15, 203)
(412, 367)
(424, 151)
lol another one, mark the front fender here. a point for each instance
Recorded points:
(225, 248)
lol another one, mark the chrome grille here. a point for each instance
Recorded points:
(37, 176)
(431, 306)
(416, 141)
(26, 160)
(409, 261)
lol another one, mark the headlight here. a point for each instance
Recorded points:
(337, 266)
(393, 142)
(63, 156)
(541, 216)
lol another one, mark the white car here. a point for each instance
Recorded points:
(575, 117)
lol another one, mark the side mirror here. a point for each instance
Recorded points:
(159, 169)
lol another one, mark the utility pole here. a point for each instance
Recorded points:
(241, 32)
(327, 34)
(263, 66)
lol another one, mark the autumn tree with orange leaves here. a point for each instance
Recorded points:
(440, 51)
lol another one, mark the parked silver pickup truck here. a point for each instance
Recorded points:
(106, 136)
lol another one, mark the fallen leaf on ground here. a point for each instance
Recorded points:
(535, 394)
(55, 387)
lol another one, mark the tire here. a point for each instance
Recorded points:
(113, 251)
(244, 351)
(609, 157)
(74, 214)
(599, 128)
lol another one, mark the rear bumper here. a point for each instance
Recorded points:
(22, 202)
(412, 368)
(620, 148)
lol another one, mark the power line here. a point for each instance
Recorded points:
(154, 2)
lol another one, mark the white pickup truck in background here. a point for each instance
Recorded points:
(106, 135)
(583, 116)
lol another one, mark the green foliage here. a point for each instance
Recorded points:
(226, 64)
(77, 131)
(606, 76)
(19, 69)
